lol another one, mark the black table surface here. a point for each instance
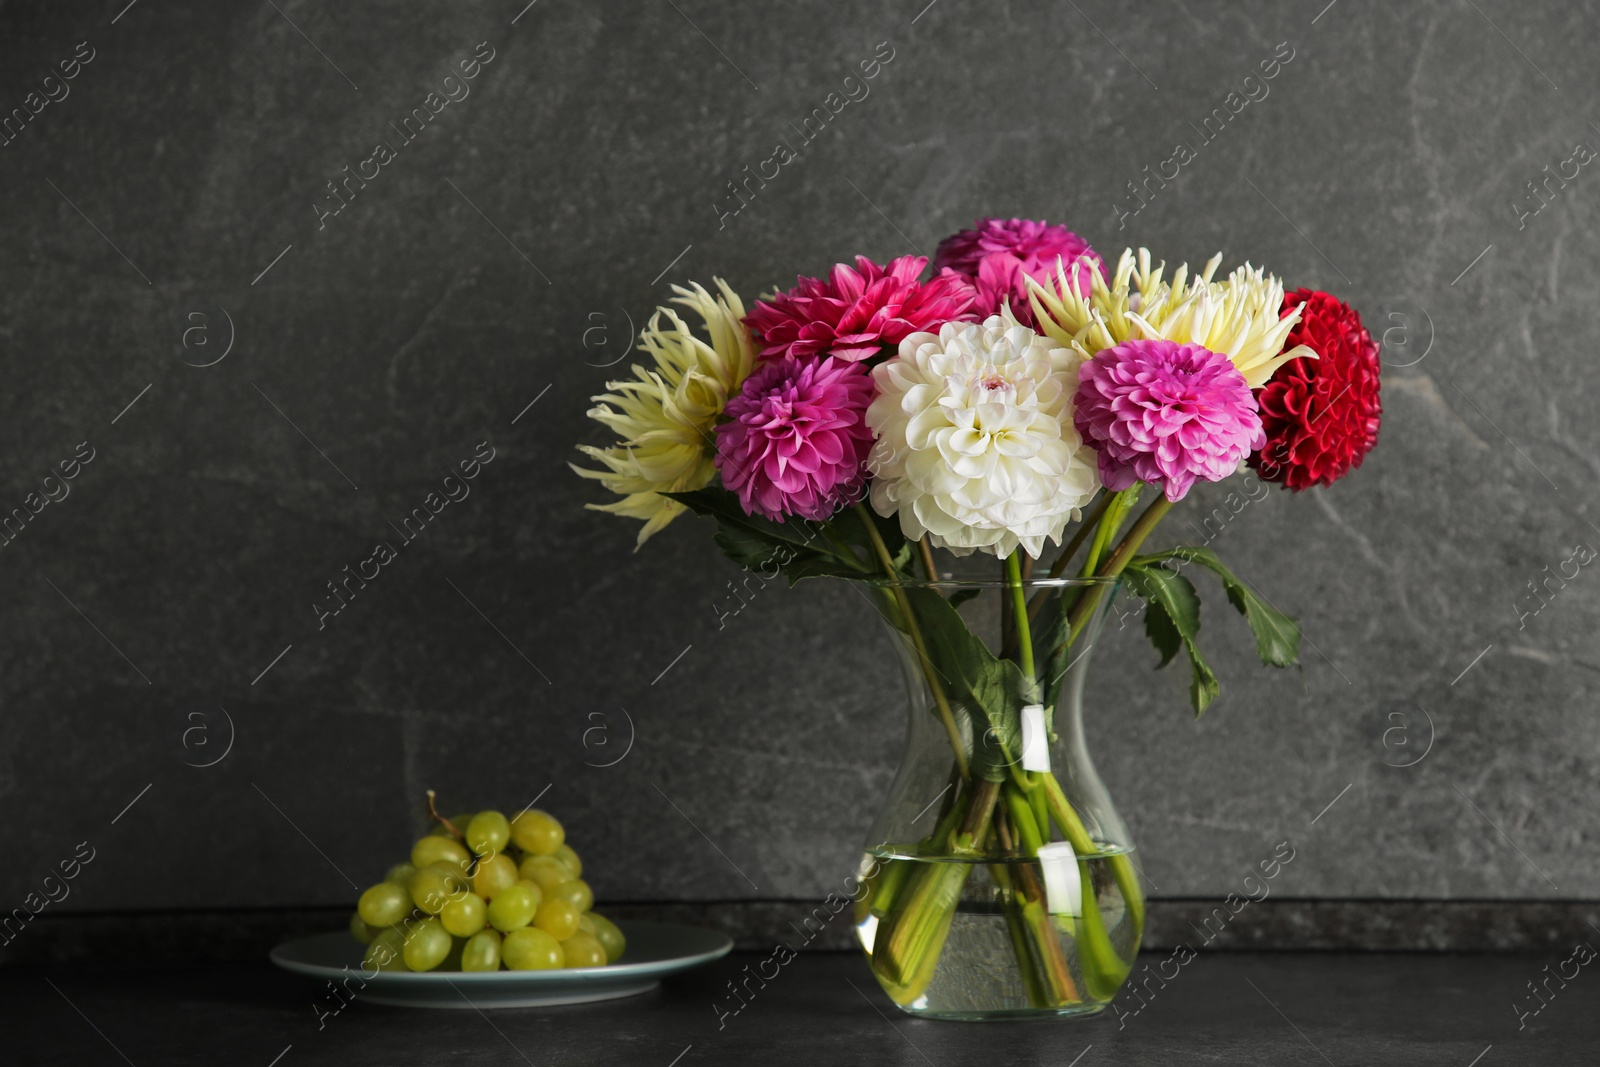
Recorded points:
(824, 1008)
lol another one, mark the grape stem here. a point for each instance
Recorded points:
(450, 827)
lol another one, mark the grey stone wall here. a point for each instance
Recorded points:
(467, 300)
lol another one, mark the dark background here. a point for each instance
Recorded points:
(504, 259)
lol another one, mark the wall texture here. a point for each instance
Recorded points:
(172, 205)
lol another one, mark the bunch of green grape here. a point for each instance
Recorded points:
(483, 892)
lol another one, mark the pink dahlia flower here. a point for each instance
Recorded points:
(999, 255)
(1166, 414)
(797, 441)
(857, 313)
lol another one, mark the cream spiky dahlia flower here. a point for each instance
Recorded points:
(1238, 317)
(667, 412)
(975, 439)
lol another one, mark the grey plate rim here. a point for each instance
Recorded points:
(718, 944)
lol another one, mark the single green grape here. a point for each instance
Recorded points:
(427, 946)
(558, 918)
(581, 950)
(435, 885)
(586, 924)
(513, 908)
(570, 858)
(452, 959)
(492, 874)
(488, 833)
(440, 850)
(610, 938)
(383, 904)
(532, 887)
(360, 930)
(400, 873)
(386, 953)
(465, 915)
(548, 871)
(537, 832)
(529, 949)
(482, 952)
(576, 892)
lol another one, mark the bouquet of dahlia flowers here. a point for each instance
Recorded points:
(1022, 402)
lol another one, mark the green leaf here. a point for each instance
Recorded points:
(992, 690)
(797, 549)
(1163, 633)
(961, 596)
(847, 526)
(1172, 596)
(1277, 635)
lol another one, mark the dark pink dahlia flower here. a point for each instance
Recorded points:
(999, 255)
(858, 312)
(1166, 414)
(797, 439)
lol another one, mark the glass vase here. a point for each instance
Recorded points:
(1000, 883)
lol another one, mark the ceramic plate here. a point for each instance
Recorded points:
(655, 950)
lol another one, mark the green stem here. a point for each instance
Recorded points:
(1019, 605)
(1085, 527)
(928, 566)
(1117, 506)
(946, 714)
(1088, 524)
(1142, 529)
(911, 936)
(1021, 812)
(1032, 904)
(891, 875)
(1083, 610)
(1011, 904)
(1128, 882)
(974, 827)
(1057, 972)
(1072, 827)
(1036, 799)
(1109, 525)
(1008, 621)
(1103, 968)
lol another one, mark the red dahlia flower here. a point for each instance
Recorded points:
(1321, 415)
(856, 313)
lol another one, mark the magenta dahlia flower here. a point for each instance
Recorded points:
(1166, 414)
(858, 312)
(999, 255)
(797, 439)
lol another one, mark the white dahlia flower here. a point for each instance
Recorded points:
(975, 443)
(1238, 317)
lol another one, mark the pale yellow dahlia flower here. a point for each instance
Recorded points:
(1238, 317)
(665, 414)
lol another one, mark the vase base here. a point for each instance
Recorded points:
(1013, 1015)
